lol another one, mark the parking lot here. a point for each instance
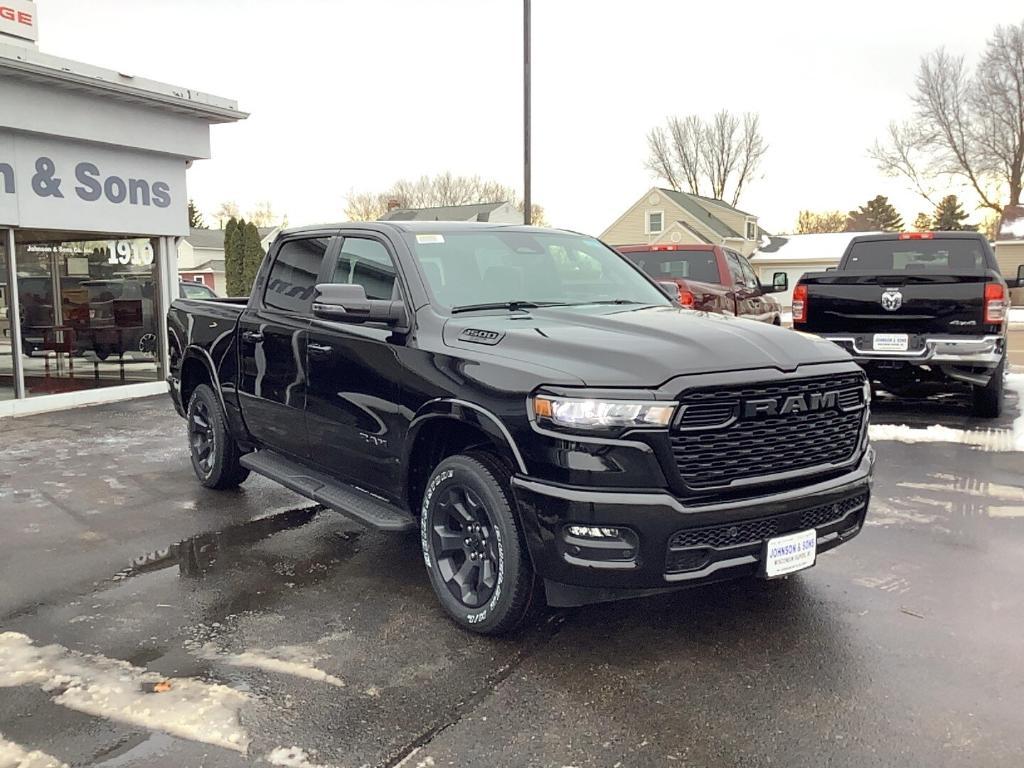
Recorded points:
(149, 622)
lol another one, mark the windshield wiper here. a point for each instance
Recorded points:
(615, 301)
(513, 306)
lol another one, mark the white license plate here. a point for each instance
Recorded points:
(789, 553)
(891, 342)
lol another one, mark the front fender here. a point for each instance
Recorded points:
(466, 412)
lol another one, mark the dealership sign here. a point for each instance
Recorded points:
(53, 183)
(18, 19)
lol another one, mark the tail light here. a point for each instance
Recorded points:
(916, 235)
(686, 298)
(799, 303)
(995, 303)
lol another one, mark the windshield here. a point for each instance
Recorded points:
(915, 255)
(701, 266)
(497, 266)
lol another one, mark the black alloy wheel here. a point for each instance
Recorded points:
(201, 437)
(214, 452)
(474, 550)
(465, 546)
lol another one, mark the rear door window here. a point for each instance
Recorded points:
(735, 267)
(293, 276)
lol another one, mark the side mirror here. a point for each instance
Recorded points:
(1019, 282)
(347, 303)
(780, 282)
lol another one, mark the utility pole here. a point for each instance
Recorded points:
(527, 200)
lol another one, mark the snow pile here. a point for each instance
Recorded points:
(291, 757)
(113, 689)
(286, 659)
(998, 440)
(14, 756)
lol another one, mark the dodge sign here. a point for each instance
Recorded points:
(18, 19)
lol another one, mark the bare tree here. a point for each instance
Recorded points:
(263, 215)
(226, 210)
(967, 127)
(445, 189)
(812, 222)
(694, 154)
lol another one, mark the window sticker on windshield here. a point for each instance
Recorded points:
(429, 239)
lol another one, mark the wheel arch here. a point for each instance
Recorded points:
(197, 368)
(444, 428)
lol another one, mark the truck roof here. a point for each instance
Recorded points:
(936, 235)
(420, 226)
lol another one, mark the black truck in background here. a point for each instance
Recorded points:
(531, 403)
(920, 312)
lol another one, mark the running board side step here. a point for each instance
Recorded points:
(324, 489)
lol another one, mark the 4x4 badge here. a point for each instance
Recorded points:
(892, 299)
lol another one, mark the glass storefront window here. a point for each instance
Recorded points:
(6, 356)
(89, 311)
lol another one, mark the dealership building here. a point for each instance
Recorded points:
(92, 206)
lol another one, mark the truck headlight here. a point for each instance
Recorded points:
(587, 413)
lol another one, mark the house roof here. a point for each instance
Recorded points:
(723, 204)
(689, 203)
(1011, 226)
(470, 212)
(214, 238)
(826, 248)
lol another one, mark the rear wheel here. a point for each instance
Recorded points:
(988, 400)
(472, 546)
(213, 451)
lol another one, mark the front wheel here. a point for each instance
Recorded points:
(213, 451)
(988, 400)
(472, 546)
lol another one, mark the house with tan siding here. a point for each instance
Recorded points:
(670, 216)
(1009, 247)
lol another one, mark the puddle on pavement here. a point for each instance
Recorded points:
(198, 554)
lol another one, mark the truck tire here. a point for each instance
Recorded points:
(213, 451)
(472, 546)
(988, 400)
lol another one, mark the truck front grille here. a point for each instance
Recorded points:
(751, 431)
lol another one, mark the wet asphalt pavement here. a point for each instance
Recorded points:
(904, 647)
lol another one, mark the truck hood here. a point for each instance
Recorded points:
(615, 346)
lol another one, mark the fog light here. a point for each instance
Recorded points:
(592, 532)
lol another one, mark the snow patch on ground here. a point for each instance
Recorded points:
(113, 689)
(294, 660)
(997, 440)
(14, 756)
(292, 757)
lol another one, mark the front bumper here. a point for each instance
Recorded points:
(669, 543)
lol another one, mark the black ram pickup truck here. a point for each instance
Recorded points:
(533, 405)
(920, 311)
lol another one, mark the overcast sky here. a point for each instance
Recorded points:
(354, 94)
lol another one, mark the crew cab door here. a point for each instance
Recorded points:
(747, 296)
(272, 336)
(355, 422)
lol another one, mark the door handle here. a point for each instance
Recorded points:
(319, 350)
(253, 337)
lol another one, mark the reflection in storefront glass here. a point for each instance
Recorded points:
(88, 313)
(6, 358)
